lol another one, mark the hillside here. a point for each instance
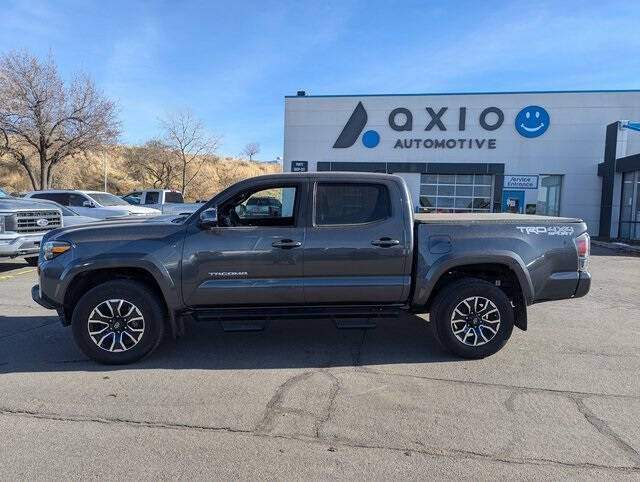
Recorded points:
(87, 173)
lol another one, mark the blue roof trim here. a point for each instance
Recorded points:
(603, 91)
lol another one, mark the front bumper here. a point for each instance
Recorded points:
(42, 301)
(24, 245)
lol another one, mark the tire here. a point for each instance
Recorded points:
(32, 260)
(465, 334)
(133, 337)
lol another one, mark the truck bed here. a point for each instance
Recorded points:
(487, 218)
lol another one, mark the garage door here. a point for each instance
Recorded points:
(444, 193)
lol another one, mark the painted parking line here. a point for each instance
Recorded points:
(18, 273)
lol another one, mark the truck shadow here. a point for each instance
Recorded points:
(40, 344)
(18, 264)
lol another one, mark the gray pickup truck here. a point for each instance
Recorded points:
(345, 246)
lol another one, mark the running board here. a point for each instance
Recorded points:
(256, 319)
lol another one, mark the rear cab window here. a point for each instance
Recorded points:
(350, 203)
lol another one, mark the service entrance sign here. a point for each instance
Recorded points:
(521, 182)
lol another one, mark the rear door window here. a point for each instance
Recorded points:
(152, 198)
(351, 203)
(173, 197)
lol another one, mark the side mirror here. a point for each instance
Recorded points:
(88, 204)
(209, 218)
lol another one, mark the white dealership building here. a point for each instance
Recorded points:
(557, 153)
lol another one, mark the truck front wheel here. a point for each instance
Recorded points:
(118, 322)
(472, 318)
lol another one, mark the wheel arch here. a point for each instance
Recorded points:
(505, 271)
(83, 281)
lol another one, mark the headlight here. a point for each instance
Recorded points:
(51, 249)
(1, 223)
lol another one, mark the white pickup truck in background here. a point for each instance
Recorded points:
(165, 200)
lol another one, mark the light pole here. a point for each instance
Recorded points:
(104, 160)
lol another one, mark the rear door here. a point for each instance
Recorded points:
(249, 258)
(356, 249)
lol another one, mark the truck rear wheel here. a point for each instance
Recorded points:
(472, 318)
(118, 322)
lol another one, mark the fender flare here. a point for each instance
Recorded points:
(167, 285)
(498, 257)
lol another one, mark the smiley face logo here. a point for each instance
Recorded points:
(532, 121)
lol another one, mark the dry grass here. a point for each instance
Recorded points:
(87, 173)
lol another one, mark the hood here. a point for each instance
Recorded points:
(117, 230)
(75, 220)
(15, 204)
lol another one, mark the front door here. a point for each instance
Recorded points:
(356, 249)
(513, 201)
(254, 256)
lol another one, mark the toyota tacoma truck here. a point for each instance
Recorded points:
(345, 246)
(22, 224)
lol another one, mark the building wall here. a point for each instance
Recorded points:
(573, 144)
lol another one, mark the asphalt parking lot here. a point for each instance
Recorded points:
(304, 400)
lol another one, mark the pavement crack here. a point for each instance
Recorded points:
(522, 389)
(604, 428)
(333, 393)
(358, 353)
(116, 420)
(274, 406)
(334, 441)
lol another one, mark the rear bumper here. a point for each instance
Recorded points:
(563, 285)
(584, 284)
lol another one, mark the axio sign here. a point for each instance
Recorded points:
(532, 121)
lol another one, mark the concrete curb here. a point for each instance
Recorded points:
(618, 246)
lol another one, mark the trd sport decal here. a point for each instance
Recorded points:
(550, 230)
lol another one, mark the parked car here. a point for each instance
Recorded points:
(263, 206)
(69, 216)
(22, 224)
(93, 204)
(346, 246)
(167, 201)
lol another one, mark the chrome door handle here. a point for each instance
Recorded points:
(385, 242)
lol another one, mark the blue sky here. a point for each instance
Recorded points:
(232, 63)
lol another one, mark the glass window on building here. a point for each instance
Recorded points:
(549, 188)
(444, 193)
(630, 206)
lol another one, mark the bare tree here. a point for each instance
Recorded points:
(154, 163)
(42, 118)
(251, 150)
(185, 135)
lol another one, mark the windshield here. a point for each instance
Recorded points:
(3, 194)
(106, 199)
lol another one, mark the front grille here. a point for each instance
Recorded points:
(31, 221)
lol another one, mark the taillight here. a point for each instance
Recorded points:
(583, 247)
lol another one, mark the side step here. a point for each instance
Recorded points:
(256, 319)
